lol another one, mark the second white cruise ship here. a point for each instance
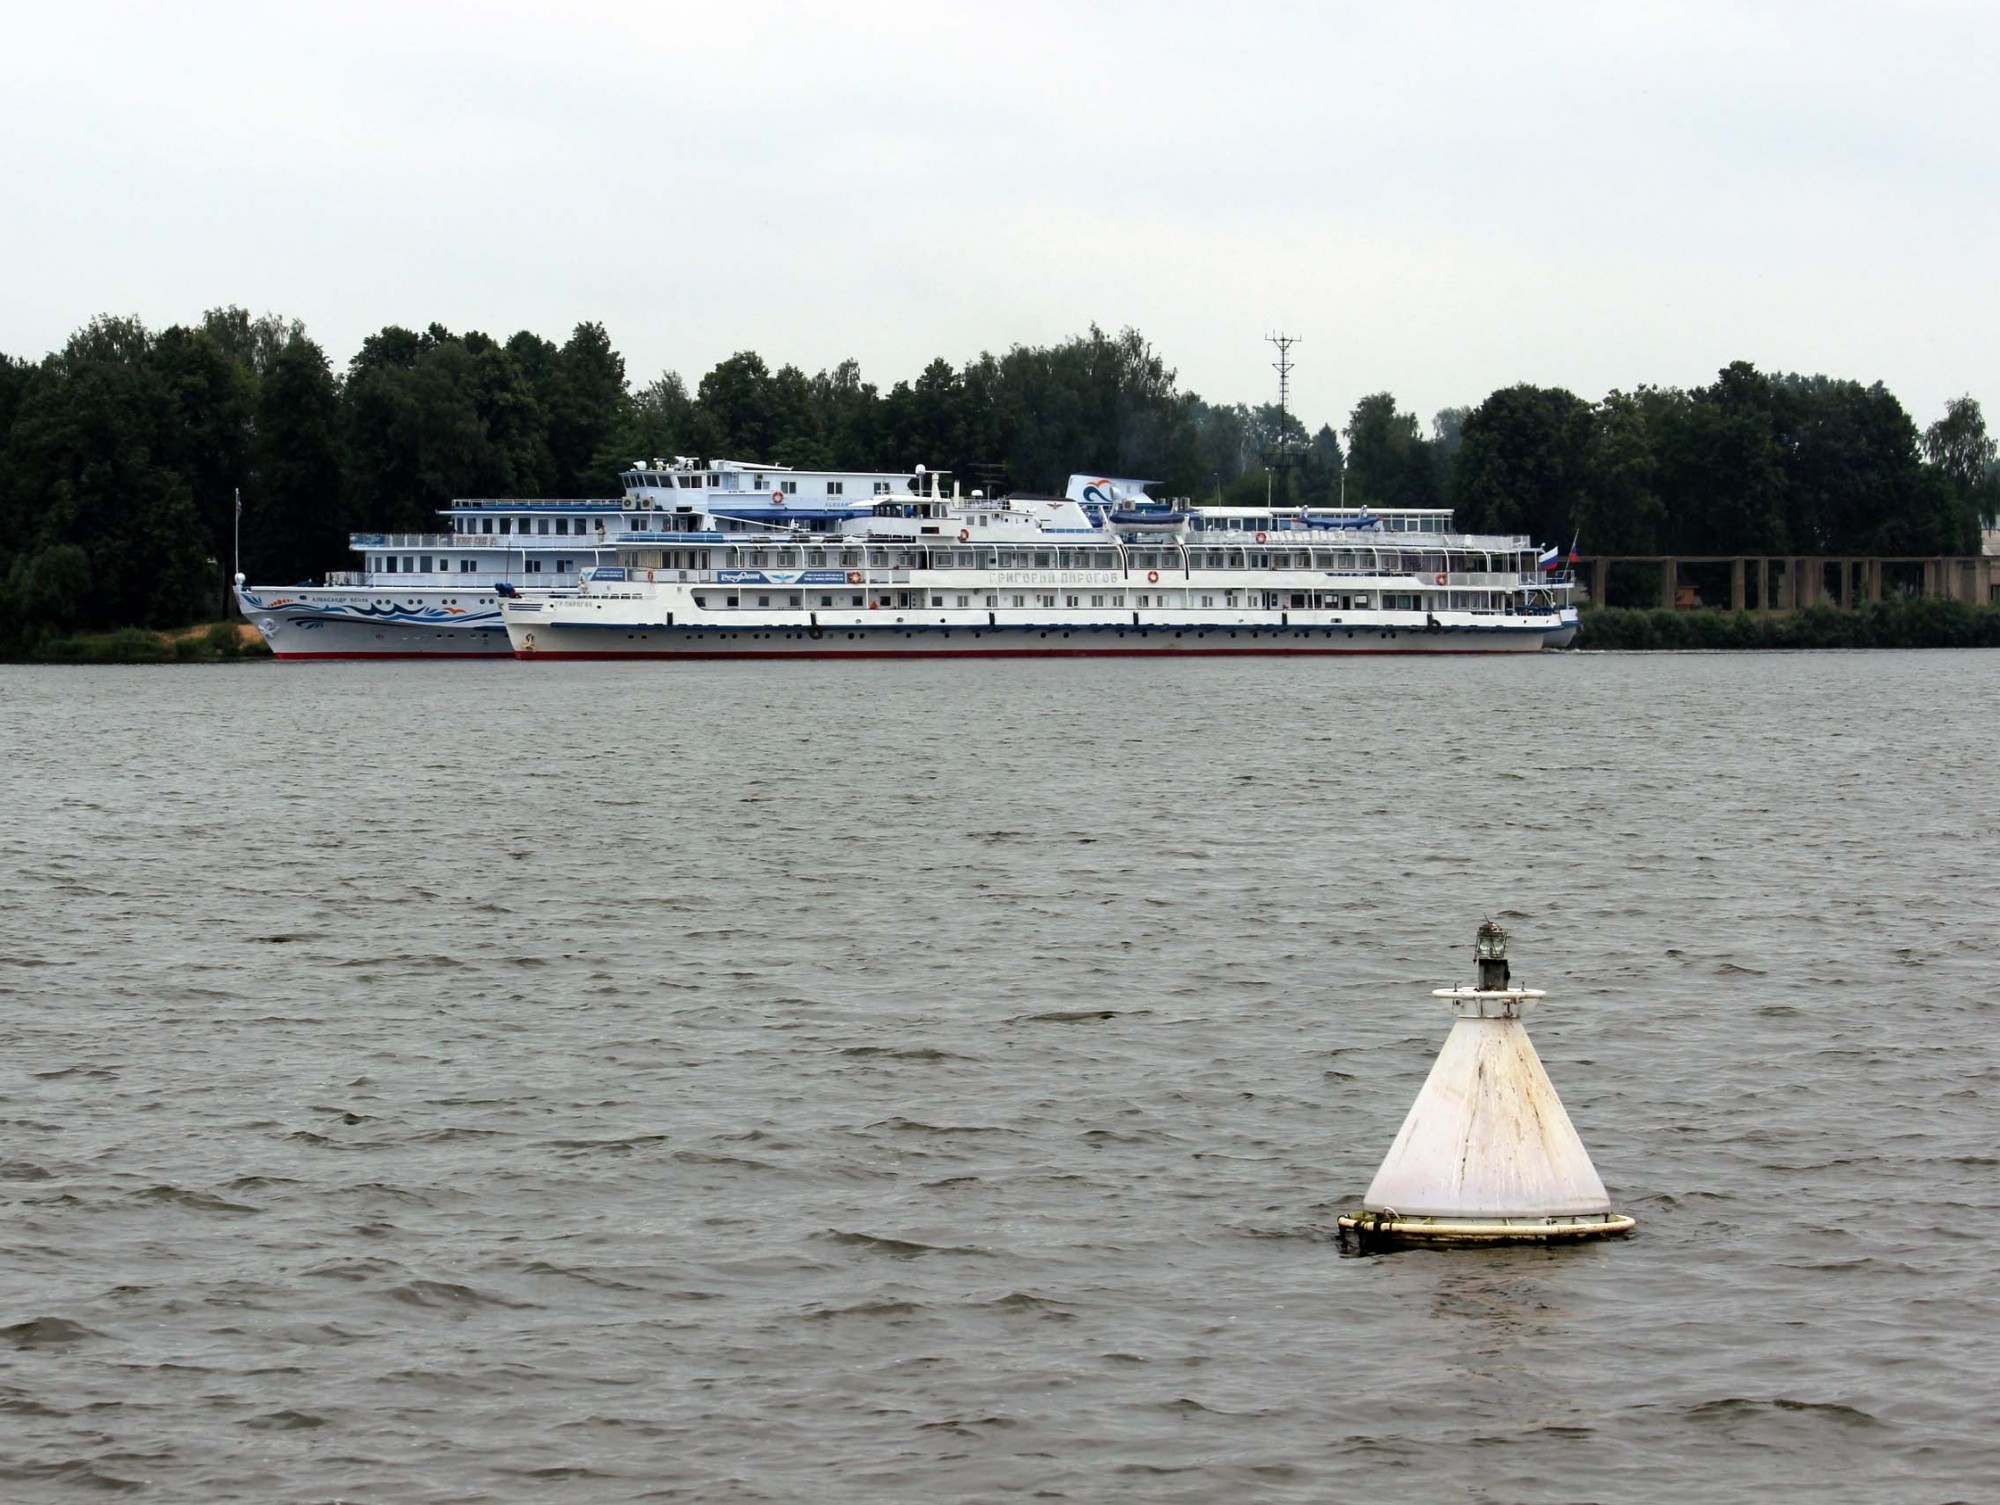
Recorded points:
(433, 595)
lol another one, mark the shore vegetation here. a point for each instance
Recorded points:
(123, 453)
(1924, 623)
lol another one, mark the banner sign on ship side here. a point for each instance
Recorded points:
(781, 577)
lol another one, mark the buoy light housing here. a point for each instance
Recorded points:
(1490, 948)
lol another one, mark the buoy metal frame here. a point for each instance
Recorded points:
(1380, 1228)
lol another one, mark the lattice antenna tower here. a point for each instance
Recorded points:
(1282, 454)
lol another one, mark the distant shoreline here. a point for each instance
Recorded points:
(1891, 624)
(204, 643)
(1926, 623)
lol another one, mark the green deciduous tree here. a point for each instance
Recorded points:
(435, 416)
(87, 463)
(1722, 467)
(50, 588)
(1521, 463)
(1388, 459)
(1959, 447)
(294, 525)
(658, 422)
(1618, 506)
(585, 403)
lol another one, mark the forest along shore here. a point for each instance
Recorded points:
(123, 455)
(204, 643)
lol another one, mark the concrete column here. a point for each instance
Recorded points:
(1736, 584)
(1763, 585)
(1600, 581)
(1874, 582)
(1670, 574)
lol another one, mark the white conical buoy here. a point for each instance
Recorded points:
(1487, 1155)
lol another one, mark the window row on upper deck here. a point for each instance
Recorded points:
(1362, 560)
(562, 526)
(739, 480)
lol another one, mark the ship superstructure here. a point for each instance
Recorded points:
(1102, 569)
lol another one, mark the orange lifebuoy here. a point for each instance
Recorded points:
(964, 535)
(1260, 538)
(1152, 577)
(778, 497)
(1440, 580)
(854, 577)
(649, 577)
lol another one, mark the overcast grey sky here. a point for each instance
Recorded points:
(1440, 198)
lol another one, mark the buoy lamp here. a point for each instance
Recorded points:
(1487, 1155)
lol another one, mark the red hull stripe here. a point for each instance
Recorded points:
(532, 655)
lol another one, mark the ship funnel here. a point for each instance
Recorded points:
(1487, 1154)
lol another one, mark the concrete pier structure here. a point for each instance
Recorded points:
(1794, 582)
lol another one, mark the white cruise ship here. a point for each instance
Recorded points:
(427, 595)
(1101, 570)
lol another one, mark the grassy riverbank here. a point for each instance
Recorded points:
(208, 642)
(1891, 624)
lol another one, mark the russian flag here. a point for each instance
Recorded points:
(1551, 558)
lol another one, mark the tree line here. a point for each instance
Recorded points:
(121, 454)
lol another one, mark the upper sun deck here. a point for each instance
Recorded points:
(1426, 520)
(654, 484)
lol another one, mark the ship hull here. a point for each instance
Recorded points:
(546, 640)
(308, 622)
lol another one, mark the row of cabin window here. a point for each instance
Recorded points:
(1295, 600)
(1099, 559)
(520, 525)
(648, 480)
(1264, 525)
(425, 564)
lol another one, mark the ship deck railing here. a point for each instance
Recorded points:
(512, 543)
(901, 575)
(481, 580)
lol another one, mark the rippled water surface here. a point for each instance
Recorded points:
(936, 1082)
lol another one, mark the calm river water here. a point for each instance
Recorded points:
(938, 1082)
